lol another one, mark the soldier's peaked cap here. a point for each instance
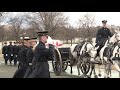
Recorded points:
(33, 38)
(42, 33)
(26, 38)
(104, 21)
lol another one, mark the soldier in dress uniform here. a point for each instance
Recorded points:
(22, 58)
(102, 35)
(41, 57)
(15, 53)
(10, 52)
(30, 53)
(5, 52)
(20, 45)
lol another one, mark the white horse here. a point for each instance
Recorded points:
(87, 48)
(105, 55)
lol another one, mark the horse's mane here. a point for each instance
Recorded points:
(88, 45)
(83, 47)
(112, 39)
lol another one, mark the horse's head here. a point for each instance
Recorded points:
(117, 35)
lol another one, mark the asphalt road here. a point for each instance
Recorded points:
(7, 71)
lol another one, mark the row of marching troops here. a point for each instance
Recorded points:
(10, 52)
(33, 57)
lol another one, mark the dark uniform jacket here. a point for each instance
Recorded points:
(5, 50)
(23, 64)
(16, 49)
(5, 53)
(41, 57)
(11, 49)
(29, 60)
(30, 55)
(103, 33)
(22, 56)
(41, 53)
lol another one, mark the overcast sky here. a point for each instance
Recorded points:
(113, 18)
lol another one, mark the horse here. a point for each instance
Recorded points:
(73, 55)
(87, 50)
(107, 53)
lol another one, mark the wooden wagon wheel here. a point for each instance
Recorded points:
(57, 63)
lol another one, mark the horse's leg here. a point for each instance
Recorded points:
(105, 71)
(99, 67)
(95, 72)
(78, 67)
(116, 66)
(92, 68)
(71, 68)
(71, 63)
(119, 67)
(109, 69)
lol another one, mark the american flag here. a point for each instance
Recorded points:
(56, 43)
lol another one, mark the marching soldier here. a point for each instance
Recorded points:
(41, 57)
(15, 53)
(10, 52)
(102, 35)
(22, 58)
(30, 53)
(5, 52)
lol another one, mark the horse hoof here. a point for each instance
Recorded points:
(95, 76)
(99, 75)
(88, 76)
(78, 74)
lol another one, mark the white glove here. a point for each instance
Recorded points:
(11, 54)
(6, 54)
(49, 40)
(15, 55)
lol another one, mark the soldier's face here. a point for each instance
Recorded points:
(32, 43)
(26, 43)
(104, 24)
(44, 39)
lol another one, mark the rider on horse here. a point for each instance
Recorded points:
(102, 35)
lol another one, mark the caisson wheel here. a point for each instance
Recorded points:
(56, 63)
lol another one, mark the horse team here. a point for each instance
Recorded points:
(107, 57)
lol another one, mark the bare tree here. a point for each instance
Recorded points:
(16, 24)
(49, 21)
(86, 24)
(1, 27)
